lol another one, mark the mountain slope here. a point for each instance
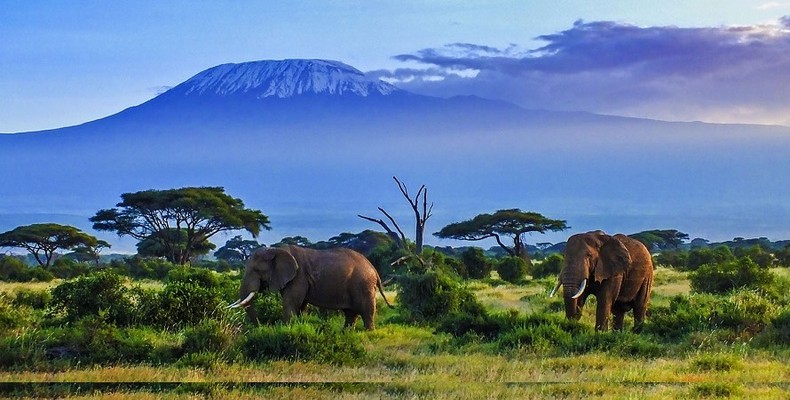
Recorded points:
(313, 143)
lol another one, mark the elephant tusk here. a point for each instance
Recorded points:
(246, 301)
(235, 304)
(553, 291)
(581, 289)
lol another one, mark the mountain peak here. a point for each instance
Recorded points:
(284, 78)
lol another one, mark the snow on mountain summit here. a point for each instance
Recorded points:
(285, 78)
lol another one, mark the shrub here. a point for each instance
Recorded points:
(142, 267)
(12, 269)
(705, 255)
(551, 266)
(722, 278)
(478, 266)
(757, 254)
(512, 269)
(434, 294)
(66, 268)
(299, 340)
(209, 335)
(673, 259)
(10, 316)
(268, 307)
(36, 299)
(90, 294)
(744, 313)
(96, 340)
(181, 304)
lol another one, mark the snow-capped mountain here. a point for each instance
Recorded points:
(284, 78)
(313, 143)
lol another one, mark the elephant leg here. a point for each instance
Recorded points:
(291, 306)
(368, 312)
(640, 306)
(351, 318)
(619, 309)
(617, 324)
(607, 295)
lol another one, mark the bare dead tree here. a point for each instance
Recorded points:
(421, 214)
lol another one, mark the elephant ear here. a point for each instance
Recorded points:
(284, 267)
(613, 260)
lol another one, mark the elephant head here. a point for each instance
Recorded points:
(590, 258)
(268, 267)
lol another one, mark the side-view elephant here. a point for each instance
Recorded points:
(617, 270)
(336, 279)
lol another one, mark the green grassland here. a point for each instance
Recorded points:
(404, 359)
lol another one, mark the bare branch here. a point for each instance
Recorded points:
(402, 235)
(386, 227)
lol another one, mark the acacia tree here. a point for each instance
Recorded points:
(511, 222)
(42, 240)
(660, 239)
(237, 249)
(198, 212)
(152, 246)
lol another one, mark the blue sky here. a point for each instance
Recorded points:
(64, 63)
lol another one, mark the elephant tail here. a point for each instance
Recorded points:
(381, 290)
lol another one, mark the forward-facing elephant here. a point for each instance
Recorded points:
(336, 279)
(617, 270)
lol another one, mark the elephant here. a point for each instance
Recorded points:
(337, 279)
(617, 270)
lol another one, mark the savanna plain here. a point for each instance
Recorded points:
(107, 335)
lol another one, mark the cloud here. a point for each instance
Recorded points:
(720, 74)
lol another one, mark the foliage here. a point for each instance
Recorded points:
(478, 266)
(91, 294)
(210, 335)
(660, 239)
(236, 249)
(300, 340)
(66, 268)
(550, 267)
(512, 269)
(434, 294)
(672, 258)
(189, 296)
(12, 269)
(154, 245)
(744, 313)
(704, 255)
(200, 211)
(42, 240)
(143, 268)
(512, 222)
(36, 299)
(724, 277)
(758, 254)
(783, 256)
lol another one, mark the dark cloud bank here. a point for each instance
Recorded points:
(717, 74)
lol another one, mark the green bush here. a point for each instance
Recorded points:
(12, 269)
(512, 269)
(758, 254)
(672, 258)
(549, 267)
(36, 299)
(90, 294)
(189, 296)
(478, 266)
(705, 255)
(299, 340)
(722, 278)
(10, 316)
(66, 268)
(95, 340)
(433, 295)
(744, 313)
(268, 307)
(209, 335)
(145, 268)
